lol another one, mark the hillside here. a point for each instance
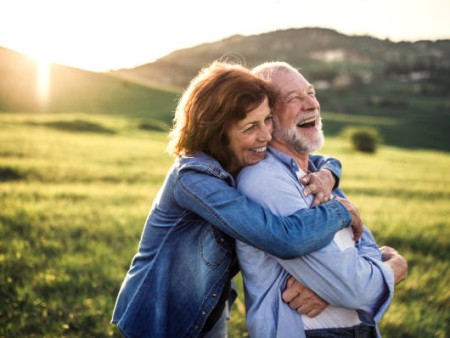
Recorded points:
(75, 90)
(402, 89)
(323, 54)
(405, 86)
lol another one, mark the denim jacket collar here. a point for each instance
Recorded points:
(204, 163)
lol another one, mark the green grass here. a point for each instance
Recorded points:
(75, 190)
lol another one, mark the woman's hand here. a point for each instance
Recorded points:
(320, 184)
(302, 299)
(357, 224)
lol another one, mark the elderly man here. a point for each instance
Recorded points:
(351, 277)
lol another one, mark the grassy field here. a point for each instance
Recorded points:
(75, 190)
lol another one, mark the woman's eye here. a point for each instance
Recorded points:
(253, 126)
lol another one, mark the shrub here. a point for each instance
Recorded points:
(79, 126)
(153, 125)
(363, 139)
(10, 174)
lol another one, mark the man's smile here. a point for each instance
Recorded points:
(308, 123)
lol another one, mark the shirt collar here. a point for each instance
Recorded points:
(290, 161)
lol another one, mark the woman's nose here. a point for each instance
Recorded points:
(265, 134)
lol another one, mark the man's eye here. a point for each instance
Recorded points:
(294, 98)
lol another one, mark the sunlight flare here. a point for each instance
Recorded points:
(43, 81)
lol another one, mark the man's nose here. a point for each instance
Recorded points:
(310, 103)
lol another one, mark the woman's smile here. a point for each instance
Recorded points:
(249, 137)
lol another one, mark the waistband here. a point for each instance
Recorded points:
(359, 331)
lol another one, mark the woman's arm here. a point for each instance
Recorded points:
(285, 237)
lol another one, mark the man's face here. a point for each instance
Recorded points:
(297, 122)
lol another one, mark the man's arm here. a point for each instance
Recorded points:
(307, 302)
(340, 277)
(345, 279)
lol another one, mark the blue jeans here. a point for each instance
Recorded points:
(360, 331)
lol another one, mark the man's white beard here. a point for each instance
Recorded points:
(301, 143)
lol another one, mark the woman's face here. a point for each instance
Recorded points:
(249, 137)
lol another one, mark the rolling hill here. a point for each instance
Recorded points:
(323, 54)
(75, 90)
(400, 88)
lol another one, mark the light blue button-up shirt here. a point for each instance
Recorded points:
(351, 278)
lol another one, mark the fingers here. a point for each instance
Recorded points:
(357, 231)
(314, 312)
(320, 184)
(317, 200)
(309, 189)
(293, 289)
(321, 198)
(357, 225)
(308, 303)
(305, 179)
(399, 266)
(303, 300)
(311, 311)
(300, 303)
(387, 252)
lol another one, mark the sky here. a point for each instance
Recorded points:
(101, 35)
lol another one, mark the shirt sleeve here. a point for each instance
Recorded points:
(286, 237)
(354, 278)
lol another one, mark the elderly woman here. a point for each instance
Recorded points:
(179, 280)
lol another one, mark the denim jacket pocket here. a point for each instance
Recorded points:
(215, 246)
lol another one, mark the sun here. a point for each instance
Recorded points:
(43, 80)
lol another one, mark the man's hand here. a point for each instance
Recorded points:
(397, 263)
(320, 184)
(302, 299)
(357, 225)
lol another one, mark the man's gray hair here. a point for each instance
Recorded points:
(266, 70)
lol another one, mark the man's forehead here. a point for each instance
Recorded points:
(294, 86)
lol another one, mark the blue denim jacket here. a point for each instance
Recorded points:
(186, 254)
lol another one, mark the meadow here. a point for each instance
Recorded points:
(75, 190)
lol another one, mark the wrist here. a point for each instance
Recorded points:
(330, 177)
(342, 213)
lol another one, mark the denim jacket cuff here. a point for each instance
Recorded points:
(344, 216)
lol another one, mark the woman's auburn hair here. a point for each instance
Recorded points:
(217, 97)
